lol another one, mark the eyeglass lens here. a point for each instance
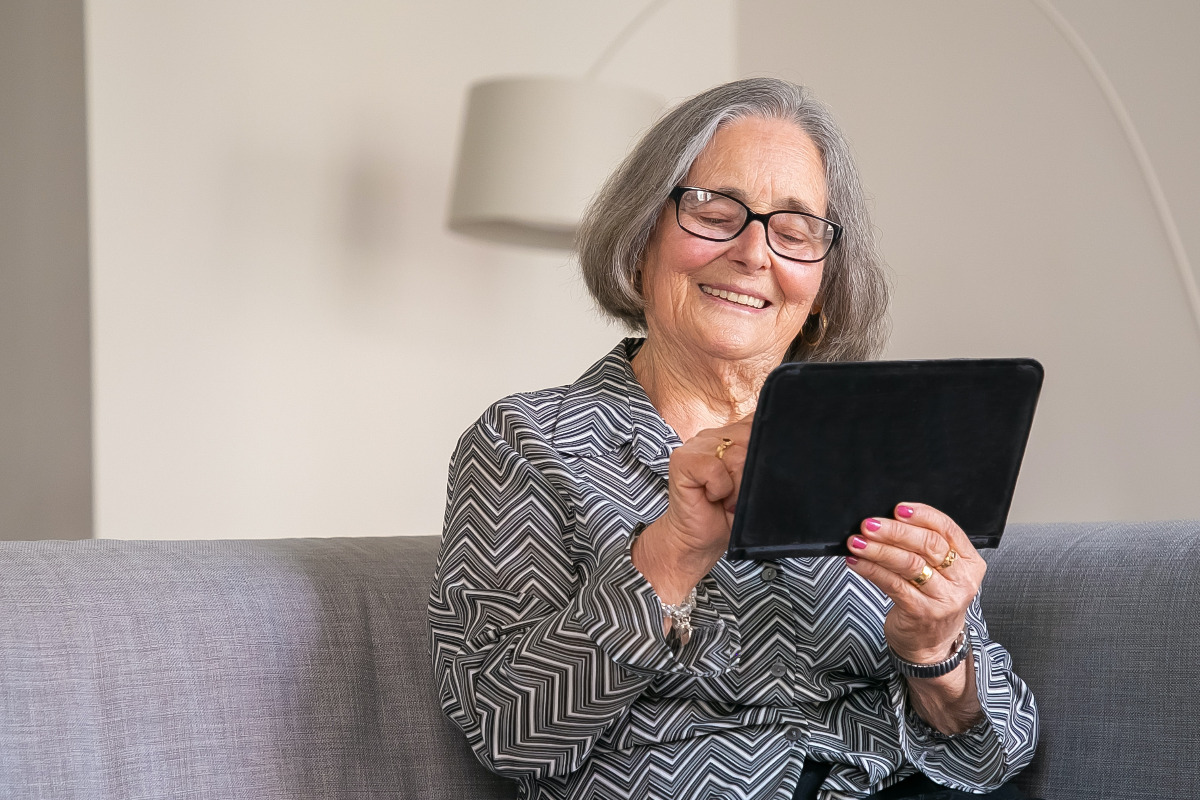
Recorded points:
(720, 218)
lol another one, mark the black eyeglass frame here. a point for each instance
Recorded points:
(765, 219)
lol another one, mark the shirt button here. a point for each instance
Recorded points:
(769, 573)
(791, 734)
(779, 669)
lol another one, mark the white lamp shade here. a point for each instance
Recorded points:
(535, 150)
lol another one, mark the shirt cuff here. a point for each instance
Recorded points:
(971, 761)
(618, 609)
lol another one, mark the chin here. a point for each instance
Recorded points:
(732, 346)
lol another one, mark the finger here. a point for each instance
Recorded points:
(738, 431)
(900, 590)
(927, 516)
(968, 568)
(720, 489)
(699, 470)
(731, 453)
(734, 461)
(731, 501)
(727, 446)
(929, 543)
(906, 565)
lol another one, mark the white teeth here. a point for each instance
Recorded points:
(734, 297)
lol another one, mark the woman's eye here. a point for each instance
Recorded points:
(793, 238)
(713, 219)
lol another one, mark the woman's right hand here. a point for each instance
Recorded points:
(680, 547)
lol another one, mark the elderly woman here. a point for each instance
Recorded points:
(588, 635)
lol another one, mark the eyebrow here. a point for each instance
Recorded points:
(789, 203)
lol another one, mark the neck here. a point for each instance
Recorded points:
(693, 391)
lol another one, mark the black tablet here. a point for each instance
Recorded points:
(835, 443)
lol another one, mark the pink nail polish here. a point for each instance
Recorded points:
(873, 524)
(904, 511)
(858, 542)
(851, 560)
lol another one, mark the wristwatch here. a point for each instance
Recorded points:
(962, 646)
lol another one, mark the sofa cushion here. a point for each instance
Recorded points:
(292, 668)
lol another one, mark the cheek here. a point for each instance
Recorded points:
(670, 270)
(685, 256)
(800, 287)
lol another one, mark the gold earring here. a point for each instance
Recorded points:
(822, 326)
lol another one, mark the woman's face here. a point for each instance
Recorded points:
(768, 164)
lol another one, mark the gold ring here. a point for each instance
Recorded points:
(950, 558)
(923, 578)
(722, 447)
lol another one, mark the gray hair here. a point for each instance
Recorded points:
(616, 227)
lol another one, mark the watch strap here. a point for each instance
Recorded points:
(910, 670)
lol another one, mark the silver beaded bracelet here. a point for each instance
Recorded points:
(680, 615)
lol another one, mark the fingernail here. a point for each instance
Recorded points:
(904, 511)
(873, 524)
(858, 542)
(851, 560)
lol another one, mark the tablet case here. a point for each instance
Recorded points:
(835, 443)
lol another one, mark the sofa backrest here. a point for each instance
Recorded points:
(1100, 621)
(298, 668)
(292, 668)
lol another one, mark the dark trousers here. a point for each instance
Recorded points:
(916, 787)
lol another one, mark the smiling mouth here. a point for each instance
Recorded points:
(734, 297)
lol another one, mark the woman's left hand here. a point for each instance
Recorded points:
(926, 619)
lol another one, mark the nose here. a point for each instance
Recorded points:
(749, 251)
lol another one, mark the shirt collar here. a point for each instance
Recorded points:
(607, 408)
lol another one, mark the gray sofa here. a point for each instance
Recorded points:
(297, 668)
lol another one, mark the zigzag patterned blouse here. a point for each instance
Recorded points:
(549, 651)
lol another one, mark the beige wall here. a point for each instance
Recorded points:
(287, 340)
(1017, 222)
(45, 368)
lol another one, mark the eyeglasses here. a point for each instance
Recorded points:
(718, 217)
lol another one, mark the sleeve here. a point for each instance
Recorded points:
(537, 655)
(999, 746)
